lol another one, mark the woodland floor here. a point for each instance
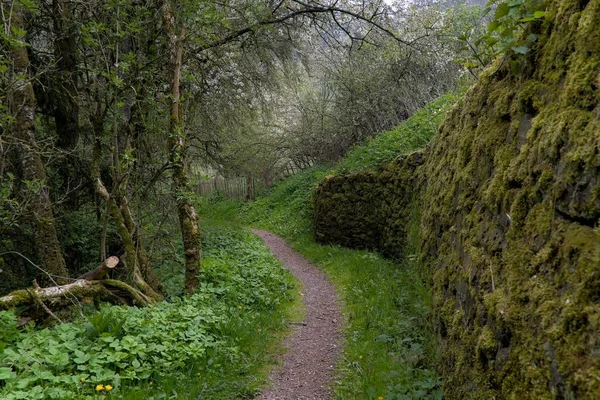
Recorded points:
(312, 350)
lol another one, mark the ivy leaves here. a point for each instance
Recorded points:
(508, 21)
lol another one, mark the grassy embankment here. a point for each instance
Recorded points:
(215, 344)
(389, 348)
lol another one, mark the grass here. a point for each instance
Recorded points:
(389, 349)
(410, 135)
(215, 344)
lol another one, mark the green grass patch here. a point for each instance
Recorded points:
(389, 350)
(213, 344)
(410, 135)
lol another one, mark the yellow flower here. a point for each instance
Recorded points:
(108, 388)
(380, 398)
(82, 379)
(99, 387)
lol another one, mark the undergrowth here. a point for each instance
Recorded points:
(389, 351)
(389, 347)
(213, 344)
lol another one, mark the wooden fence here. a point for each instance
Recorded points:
(233, 188)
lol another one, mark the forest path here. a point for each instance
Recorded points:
(313, 348)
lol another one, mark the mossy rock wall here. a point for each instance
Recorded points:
(368, 210)
(510, 215)
(510, 221)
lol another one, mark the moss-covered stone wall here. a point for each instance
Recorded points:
(368, 210)
(510, 214)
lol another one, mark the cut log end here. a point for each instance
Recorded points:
(112, 262)
(101, 270)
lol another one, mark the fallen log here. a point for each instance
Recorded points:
(90, 287)
(101, 270)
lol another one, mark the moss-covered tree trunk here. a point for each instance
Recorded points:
(22, 107)
(137, 267)
(66, 109)
(188, 218)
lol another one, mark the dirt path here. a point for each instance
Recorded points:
(313, 348)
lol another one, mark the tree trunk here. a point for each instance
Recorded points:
(22, 107)
(267, 177)
(188, 219)
(145, 269)
(66, 108)
(249, 187)
(119, 210)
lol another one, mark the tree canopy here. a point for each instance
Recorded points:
(113, 110)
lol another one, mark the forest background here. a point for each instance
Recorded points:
(113, 111)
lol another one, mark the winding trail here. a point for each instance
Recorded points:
(314, 346)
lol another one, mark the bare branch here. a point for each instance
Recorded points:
(305, 10)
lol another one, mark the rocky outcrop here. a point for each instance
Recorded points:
(509, 209)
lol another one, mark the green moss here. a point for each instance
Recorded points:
(487, 344)
(368, 210)
(509, 209)
(529, 217)
(18, 298)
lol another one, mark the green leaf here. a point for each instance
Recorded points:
(7, 373)
(491, 41)
(502, 11)
(18, 32)
(520, 49)
(493, 26)
(30, 5)
(514, 11)
(539, 14)
(506, 33)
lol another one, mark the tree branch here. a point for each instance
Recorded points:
(307, 9)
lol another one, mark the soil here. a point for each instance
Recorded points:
(307, 371)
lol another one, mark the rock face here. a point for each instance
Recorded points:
(508, 198)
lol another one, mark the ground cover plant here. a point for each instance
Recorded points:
(213, 344)
(389, 351)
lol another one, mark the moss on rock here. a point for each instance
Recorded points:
(368, 210)
(510, 211)
(518, 205)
